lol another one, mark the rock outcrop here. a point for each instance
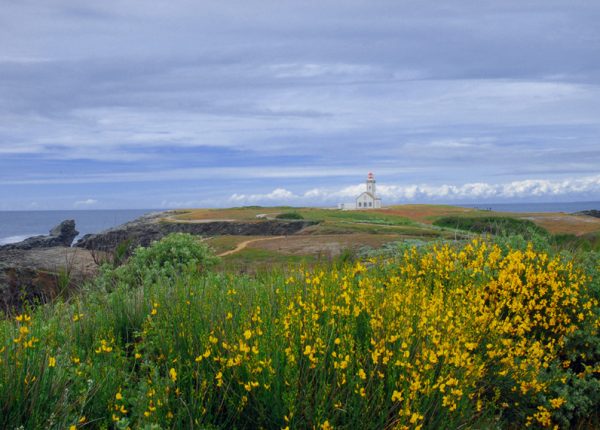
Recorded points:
(592, 212)
(143, 231)
(61, 235)
(39, 275)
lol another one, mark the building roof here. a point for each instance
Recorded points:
(369, 194)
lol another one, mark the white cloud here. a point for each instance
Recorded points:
(87, 202)
(476, 191)
(310, 70)
(278, 194)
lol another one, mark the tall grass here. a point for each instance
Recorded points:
(437, 337)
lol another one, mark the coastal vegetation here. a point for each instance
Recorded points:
(496, 225)
(484, 332)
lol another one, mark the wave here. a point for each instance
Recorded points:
(14, 239)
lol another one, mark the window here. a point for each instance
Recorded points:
(359, 204)
(370, 204)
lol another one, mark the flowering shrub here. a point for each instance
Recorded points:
(438, 337)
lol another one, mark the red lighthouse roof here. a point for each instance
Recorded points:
(370, 176)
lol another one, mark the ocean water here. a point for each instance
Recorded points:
(568, 207)
(18, 225)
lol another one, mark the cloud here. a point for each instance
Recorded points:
(444, 100)
(277, 195)
(472, 192)
(83, 203)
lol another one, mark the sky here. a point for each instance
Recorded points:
(177, 103)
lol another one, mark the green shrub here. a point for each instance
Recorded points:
(501, 226)
(289, 215)
(167, 258)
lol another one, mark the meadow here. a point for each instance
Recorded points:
(485, 333)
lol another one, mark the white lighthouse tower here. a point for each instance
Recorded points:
(369, 199)
(371, 183)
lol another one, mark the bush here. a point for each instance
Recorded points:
(502, 226)
(166, 258)
(289, 215)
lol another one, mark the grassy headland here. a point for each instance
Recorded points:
(451, 330)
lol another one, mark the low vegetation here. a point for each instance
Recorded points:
(289, 216)
(480, 334)
(496, 225)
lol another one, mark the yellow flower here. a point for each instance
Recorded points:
(557, 403)
(396, 396)
(51, 362)
(119, 396)
(173, 374)
(247, 334)
(415, 417)
(326, 425)
(362, 374)
(23, 318)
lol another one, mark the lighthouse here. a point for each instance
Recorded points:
(371, 183)
(369, 199)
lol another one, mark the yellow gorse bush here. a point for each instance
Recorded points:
(442, 338)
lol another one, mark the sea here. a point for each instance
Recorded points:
(569, 207)
(18, 225)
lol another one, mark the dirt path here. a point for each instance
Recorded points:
(245, 243)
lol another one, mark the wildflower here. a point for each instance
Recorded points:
(557, 402)
(51, 362)
(362, 375)
(396, 396)
(173, 374)
(247, 334)
(23, 318)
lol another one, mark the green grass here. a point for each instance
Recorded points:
(253, 260)
(339, 345)
(495, 225)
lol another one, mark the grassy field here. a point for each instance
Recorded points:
(346, 231)
(419, 217)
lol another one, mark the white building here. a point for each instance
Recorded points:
(367, 199)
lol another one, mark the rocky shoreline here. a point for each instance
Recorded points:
(35, 269)
(592, 212)
(145, 230)
(61, 235)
